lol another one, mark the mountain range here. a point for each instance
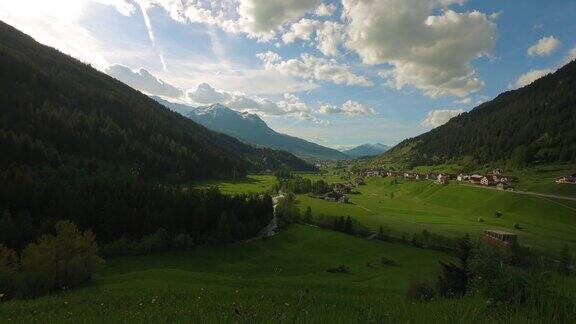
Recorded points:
(253, 130)
(531, 125)
(57, 112)
(366, 150)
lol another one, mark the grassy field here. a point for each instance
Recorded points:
(281, 277)
(251, 184)
(542, 179)
(454, 210)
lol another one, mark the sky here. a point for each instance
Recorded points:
(336, 72)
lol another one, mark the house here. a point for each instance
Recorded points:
(569, 179)
(419, 176)
(500, 237)
(497, 171)
(475, 179)
(341, 188)
(463, 177)
(431, 176)
(442, 179)
(392, 173)
(336, 197)
(487, 181)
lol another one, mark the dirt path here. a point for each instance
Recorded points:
(529, 193)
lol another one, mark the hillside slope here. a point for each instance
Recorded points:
(367, 150)
(54, 110)
(534, 124)
(251, 129)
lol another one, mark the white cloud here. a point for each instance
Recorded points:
(349, 108)
(303, 29)
(59, 25)
(314, 68)
(529, 77)
(571, 55)
(324, 10)
(464, 101)
(206, 94)
(428, 49)
(439, 117)
(144, 81)
(260, 19)
(544, 47)
(329, 37)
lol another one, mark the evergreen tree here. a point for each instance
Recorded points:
(565, 261)
(348, 227)
(308, 215)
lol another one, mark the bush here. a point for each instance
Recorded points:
(497, 214)
(517, 226)
(57, 262)
(159, 241)
(480, 220)
(339, 269)
(388, 262)
(8, 271)
(183, 241)
(420, 292)
(453, 282)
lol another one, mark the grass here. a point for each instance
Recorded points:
(454, 210)
(251, 184)
(281, 279)
(268, 280)
(542, 179)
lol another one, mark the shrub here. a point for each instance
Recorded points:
(388, 262)
(339, 269)
(62, 261)
(8, 271)
(453, 282)
(517, 226)
(159, 241)
(183, 241)
(420, 292)
(497, 214)
(480, 220)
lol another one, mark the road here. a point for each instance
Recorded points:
(530, 193)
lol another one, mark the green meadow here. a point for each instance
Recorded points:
(280, 279)
(253, 183)
(454, 210)
(264, 280)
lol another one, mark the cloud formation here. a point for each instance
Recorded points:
(440, 117)
(529, 77)
(144, 81)
(313, 68)
(427, 49)
(349, 108)
(324, 10)
(544, 47)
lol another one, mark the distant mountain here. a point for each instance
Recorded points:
(251, 129)
(56, 112)
(366, 150)
(534, 124)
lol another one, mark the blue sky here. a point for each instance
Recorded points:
(339, 73)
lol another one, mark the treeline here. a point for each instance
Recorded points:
(530, 125)
(30, 205)
(288, 182)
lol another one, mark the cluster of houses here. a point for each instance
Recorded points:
(340, 191)
(496, 178)
(571, 179)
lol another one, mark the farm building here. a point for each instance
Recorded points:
(502, 237)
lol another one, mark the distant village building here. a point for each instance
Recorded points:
(500, 237)
(487, 181)
(497, 171)
(475, 179)
(431, 176)
(463, 177)
(443, 179)
(569, 179)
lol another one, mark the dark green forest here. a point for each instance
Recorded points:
(531, 125)
(56, 111)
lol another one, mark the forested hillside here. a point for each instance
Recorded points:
(252, 129)
(56, 111)
(534, 124)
